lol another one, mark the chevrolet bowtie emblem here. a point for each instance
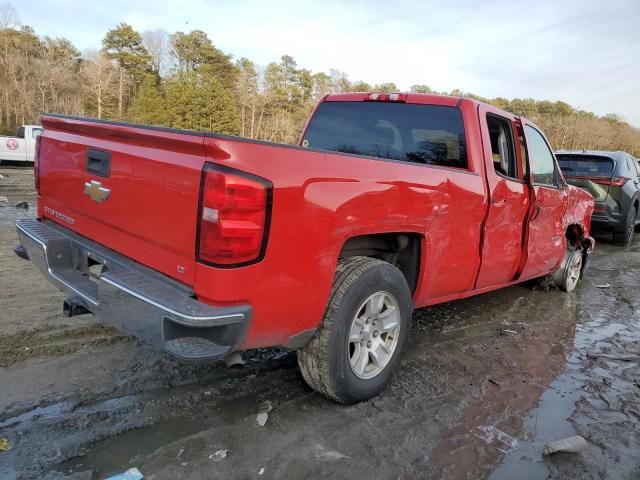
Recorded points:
(96, 191)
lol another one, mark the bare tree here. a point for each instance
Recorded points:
(99, 81)
(8, 16)
(158, 44)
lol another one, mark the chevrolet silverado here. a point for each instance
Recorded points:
(205, 244)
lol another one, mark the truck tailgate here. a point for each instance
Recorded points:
(133, 190)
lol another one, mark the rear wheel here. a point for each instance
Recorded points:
(570, 271)
(356, 350)
(625, 236)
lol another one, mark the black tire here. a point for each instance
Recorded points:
(625, 236)
(324, 361)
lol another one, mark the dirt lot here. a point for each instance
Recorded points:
(485, 383)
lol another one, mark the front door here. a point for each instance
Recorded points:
(503, 235)
(545, 243)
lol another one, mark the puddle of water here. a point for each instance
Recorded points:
(119, 453)
(550, 420)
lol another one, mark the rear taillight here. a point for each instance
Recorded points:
(387, 97)
(233, 218)
(618, 181)
(36, 164)
(614, 182)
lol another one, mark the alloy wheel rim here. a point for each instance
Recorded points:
(573, 270)
(373, 335)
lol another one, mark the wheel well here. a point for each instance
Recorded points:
(575, 236)
(399, 249)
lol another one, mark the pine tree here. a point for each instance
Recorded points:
(149, 106)
(197, 100)
(124, 45)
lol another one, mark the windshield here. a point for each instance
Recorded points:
(585, 165)
(427, 134)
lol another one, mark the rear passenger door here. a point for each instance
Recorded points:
(502, 245)
(545, 242)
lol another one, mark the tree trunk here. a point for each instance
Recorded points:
(99, 101)
(120, 93)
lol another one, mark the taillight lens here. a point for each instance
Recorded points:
(234, 216)
(618, 181)
(614, 181)
(36, 164)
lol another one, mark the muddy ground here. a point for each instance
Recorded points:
(484, 384)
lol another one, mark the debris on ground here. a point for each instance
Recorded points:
(505, 331)
(491, 434)
(568, 445)
(219, 455)
(4, 199)
(328, 454)
(262, 419)
(24, 205)
(263, 413)
(131, 474)
(4, 445)
(261, 471)
(604, 285)
(235, 360)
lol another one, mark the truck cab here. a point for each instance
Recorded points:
(21, 147)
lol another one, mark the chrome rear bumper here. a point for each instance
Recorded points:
(132, 297)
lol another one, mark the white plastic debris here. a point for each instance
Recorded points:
(219, 455)
(604, 285)
(131, 474)
(234, 360)
(569, 445)
(4, 199)
(263, 413)
(261, 471)
(262, 418)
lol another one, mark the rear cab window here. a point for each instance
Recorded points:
(415, 133)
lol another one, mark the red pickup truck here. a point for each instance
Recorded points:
(205, 244)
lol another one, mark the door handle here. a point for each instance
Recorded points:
(99, 162)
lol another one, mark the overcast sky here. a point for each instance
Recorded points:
(584, 52)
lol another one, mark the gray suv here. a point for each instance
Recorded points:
(613, 178)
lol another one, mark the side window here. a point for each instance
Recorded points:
(20, 133)
(637, 165)
(542, 165)
(632, 167)
(502, 146)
